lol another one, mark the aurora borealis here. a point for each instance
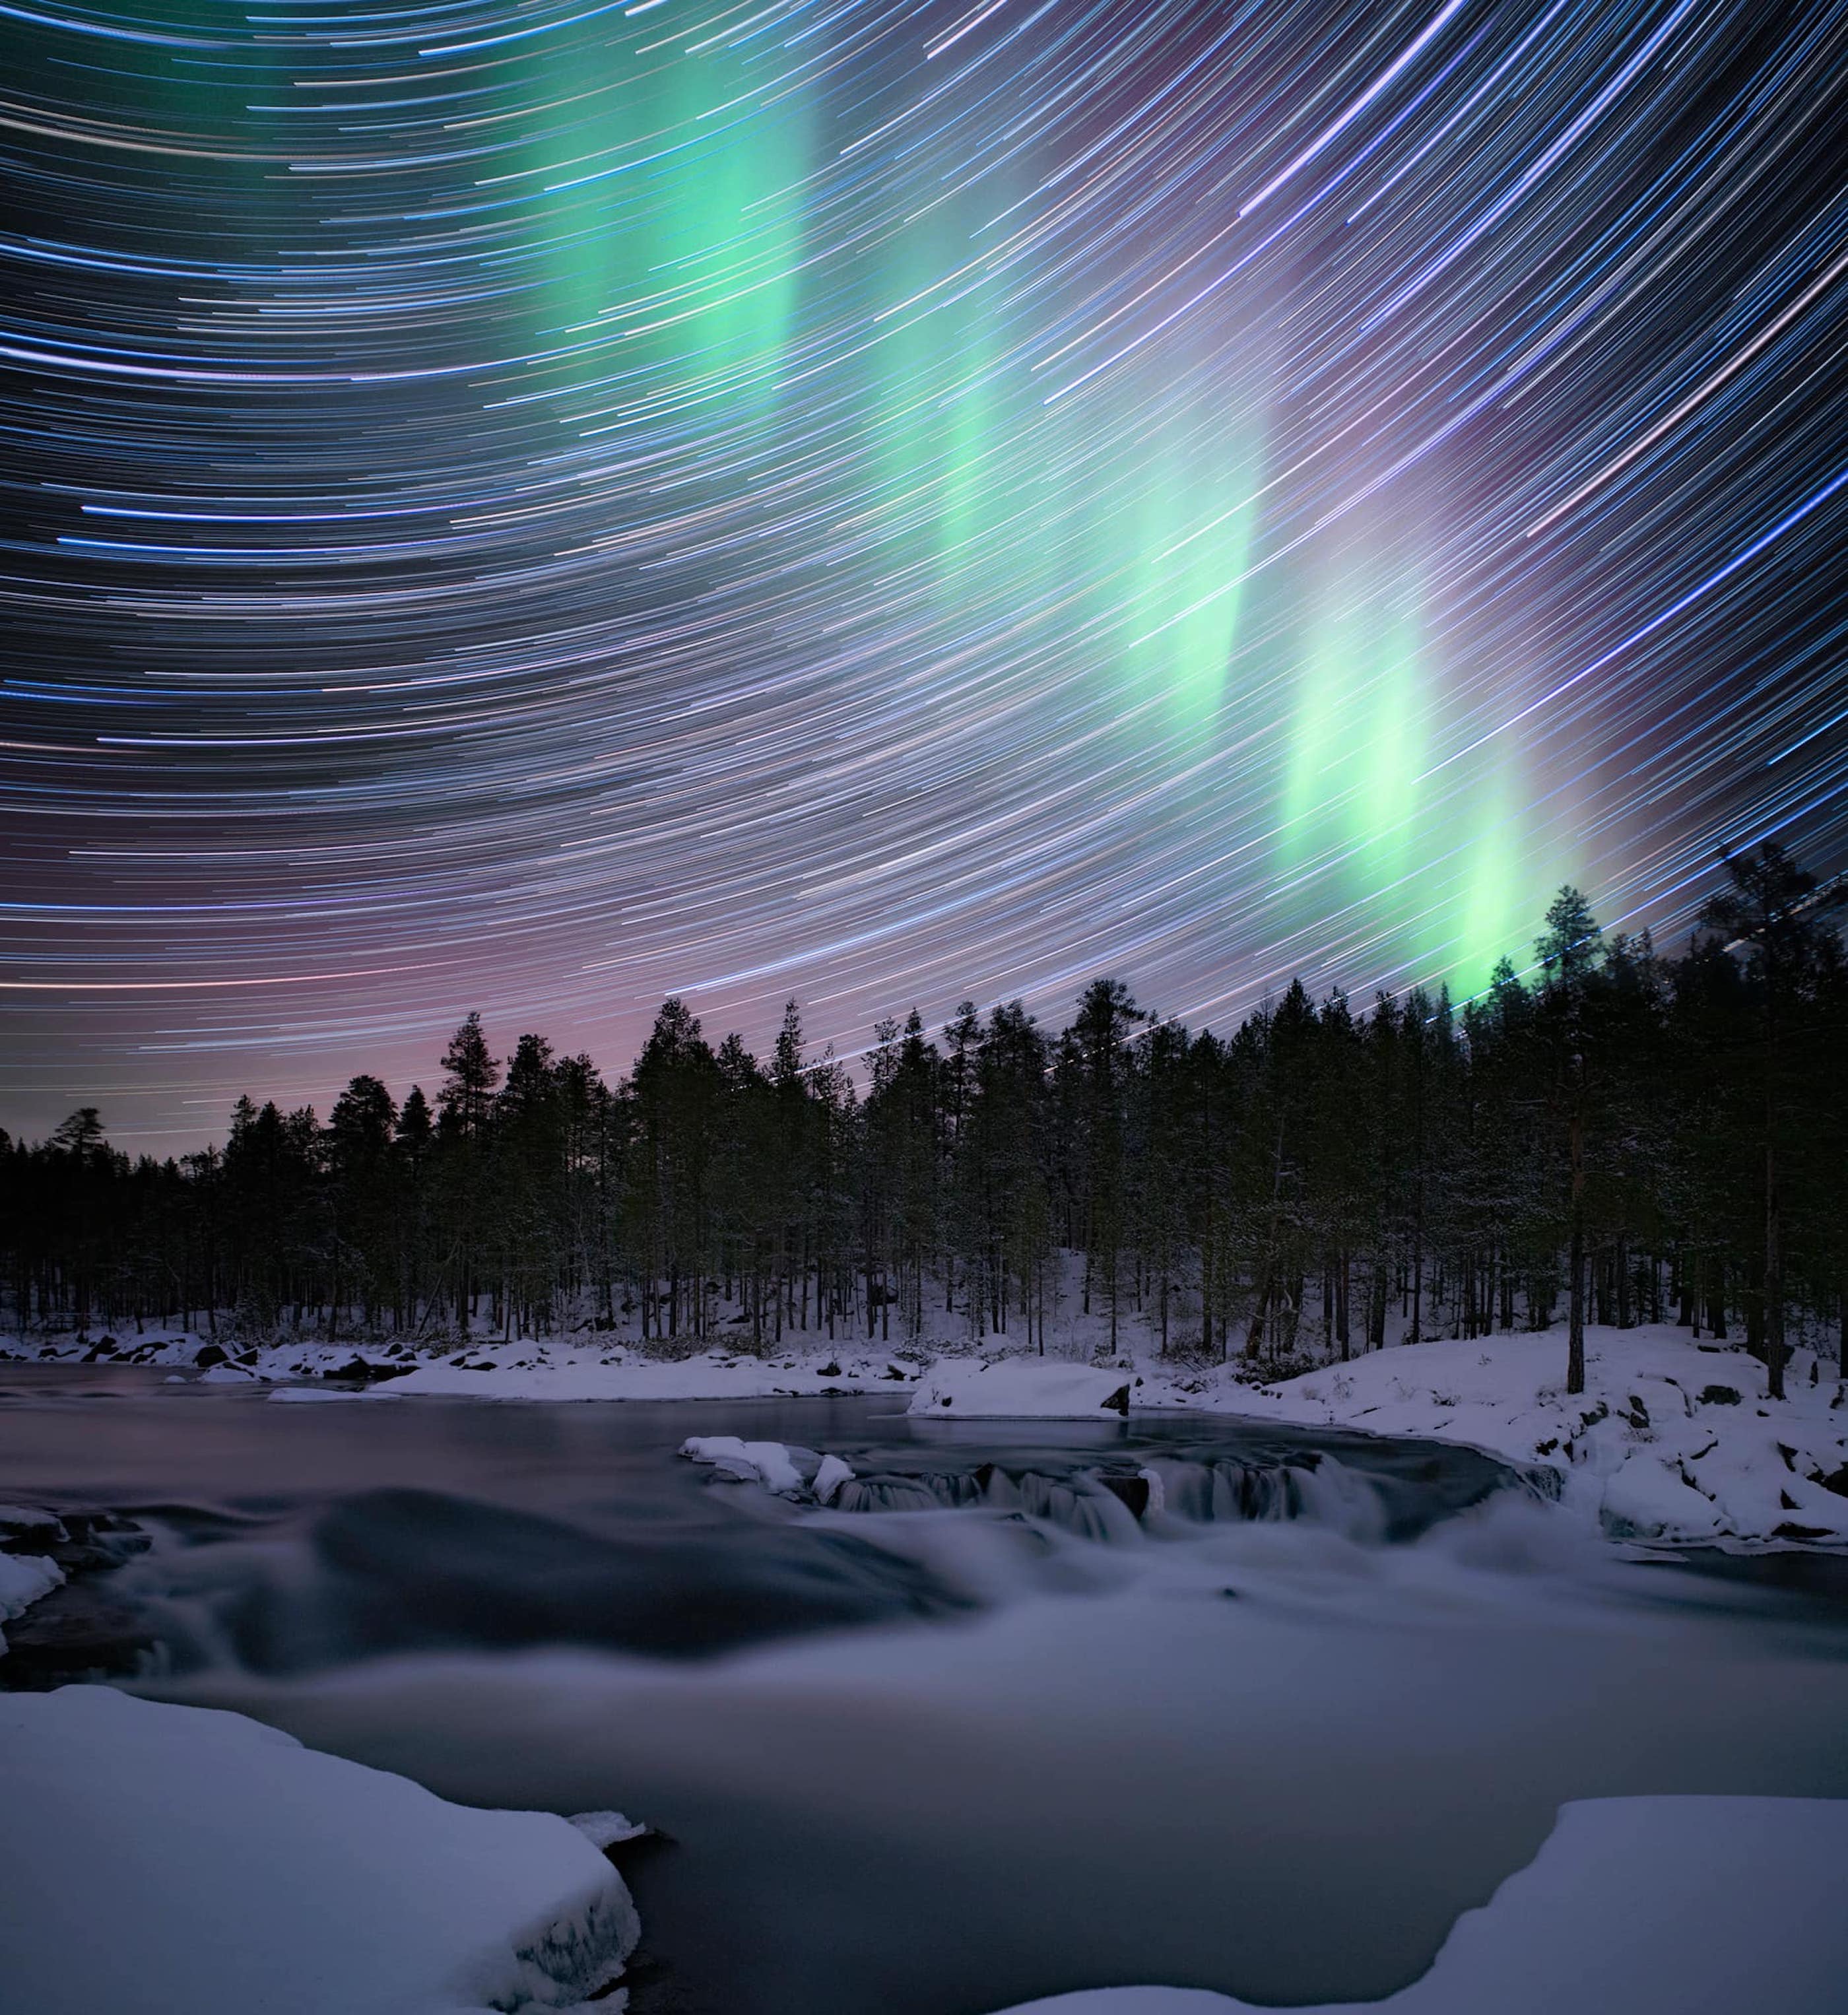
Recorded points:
(537, 508)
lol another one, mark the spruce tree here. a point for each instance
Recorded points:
(1570, 951)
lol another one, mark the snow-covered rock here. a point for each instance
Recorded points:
(183, 1859)
(774, 1464)
(1702, 1905)
(830, 1476)
(1012, 1389)
(780, 1466)
(23, 1578)
(1671, 1440)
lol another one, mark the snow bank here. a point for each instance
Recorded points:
(183, 1859)
(583, 1365)
(1016, 1388)
(562, 1373)
(1670, 1441)
(1704, 1905)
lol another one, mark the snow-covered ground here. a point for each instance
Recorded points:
(560, 1374)
(186, 1860)
(582, 1366)
(1634, 1906)
(1671, 1440)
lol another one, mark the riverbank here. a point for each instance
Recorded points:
(1673, 1441)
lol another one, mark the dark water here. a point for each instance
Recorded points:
(1010, 1727)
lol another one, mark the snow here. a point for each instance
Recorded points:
(1015, 1388)
(829, 1477)
(779, 1466)
(1704, 1905)
(584, 1364)
(559, 1373)
(23, 1578)
(1651, 1450)
(193, 1861)
(775, 1465)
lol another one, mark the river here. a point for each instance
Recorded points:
(1177, 1700)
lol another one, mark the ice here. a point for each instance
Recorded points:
(185, 1859)
(1702, 1905)
(606, 1829)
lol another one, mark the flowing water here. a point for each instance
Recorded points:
(1040, 1706)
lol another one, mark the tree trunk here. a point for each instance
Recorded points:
(1773, 1235)
(1575, 1346)
(1254, 1335)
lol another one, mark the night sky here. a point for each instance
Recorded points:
(537, 508)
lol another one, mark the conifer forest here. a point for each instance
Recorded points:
(1618, 1135)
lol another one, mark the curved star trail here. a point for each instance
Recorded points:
(535, 507)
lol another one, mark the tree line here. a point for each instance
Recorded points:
(1618, 1135)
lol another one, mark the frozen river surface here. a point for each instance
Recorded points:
(1022, 1732)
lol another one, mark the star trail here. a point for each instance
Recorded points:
(536, 507)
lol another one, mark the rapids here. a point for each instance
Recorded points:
(1038, 1707)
